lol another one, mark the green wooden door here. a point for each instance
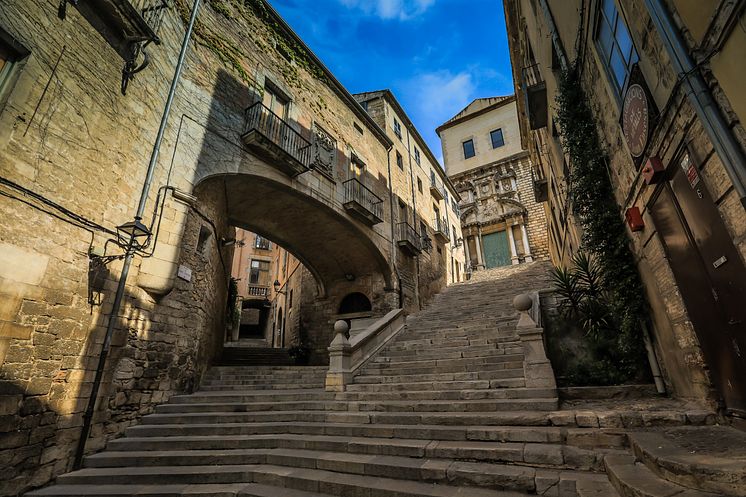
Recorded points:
(496, 251)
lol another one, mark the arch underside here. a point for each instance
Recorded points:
(329, 244)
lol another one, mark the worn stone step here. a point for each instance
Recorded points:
(252, 396)
(199, 490)
(246, 406)
(486, 353)
(306, 479)
(454, 366)
(497, 374)
(634, 479)
(219, 450)
(456, 394)
(444, 385)
(403, 343)
(358, 434)
(711, 459)
(546, 403)
(240, 385)
(595, 488)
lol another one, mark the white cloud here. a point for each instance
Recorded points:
(391, 9)
(433, 98)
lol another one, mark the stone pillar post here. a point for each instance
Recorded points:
(467, 255)
(526, 249)
(480, 257)
(537, 369)
(339, 373)
(511, 244)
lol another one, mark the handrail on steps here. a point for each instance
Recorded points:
(348, 356)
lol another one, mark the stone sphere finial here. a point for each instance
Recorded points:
(523, 302)
(341, 326)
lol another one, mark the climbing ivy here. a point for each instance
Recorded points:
(604, 235)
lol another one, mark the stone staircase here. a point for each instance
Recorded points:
(443, 411)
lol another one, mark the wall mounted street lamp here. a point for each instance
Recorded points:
(277, 287)
(427, 243)
(134, 235)
(459, 243)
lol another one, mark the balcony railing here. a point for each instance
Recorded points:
(535, 93)
(262, 243)
(440, 229)
(436, 190)
(276, 141)
(361, 202)
(408, 239)
(258, 290)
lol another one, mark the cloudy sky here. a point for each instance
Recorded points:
(435, 55)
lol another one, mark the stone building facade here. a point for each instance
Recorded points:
(424, 200)
(664, 81)
(74, 151)
(501, 214)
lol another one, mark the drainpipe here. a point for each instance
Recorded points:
(414, 220)
(129, 252)
(393, 228)
(727, 147)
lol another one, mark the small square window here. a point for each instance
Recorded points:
(497, 138)
(469, 149)
(397, 128)
(400, 161)
(419, 185)
(416, 155)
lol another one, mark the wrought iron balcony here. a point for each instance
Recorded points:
(270, 137)
(535, 93)
(362, 203)
(258, 290)
(440, 230)
(436, 190)
(408, 239)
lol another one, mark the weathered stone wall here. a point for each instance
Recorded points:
(676, 343)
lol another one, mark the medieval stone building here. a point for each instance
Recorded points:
(261, 137)
(501, 215)
(664, 83)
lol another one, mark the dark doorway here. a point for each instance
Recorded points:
(355, 302)
(709, 272)
(254, 315)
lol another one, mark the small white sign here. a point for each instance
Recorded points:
(184, 273)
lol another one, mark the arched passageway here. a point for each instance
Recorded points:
(333, 247)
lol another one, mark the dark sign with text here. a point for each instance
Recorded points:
(639, 115)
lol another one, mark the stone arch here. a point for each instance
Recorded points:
(328, 243)
(355, 302)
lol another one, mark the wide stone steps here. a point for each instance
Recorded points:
(309, 480)
(443, 471)
(458, 392)
(467, 365)
(427, 356)
(379, 377)
(633, 479)
(546, 445)
(203, 490)
(475, 405)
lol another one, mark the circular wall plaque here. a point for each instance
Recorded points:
(635, 119)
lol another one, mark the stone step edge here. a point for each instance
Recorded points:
(672, 463)
(540, 456)
(192, 490)
(633, 479)
(312, 480)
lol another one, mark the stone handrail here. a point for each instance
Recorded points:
(348, 356)
(537, 369)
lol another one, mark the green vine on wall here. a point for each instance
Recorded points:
(598, 213)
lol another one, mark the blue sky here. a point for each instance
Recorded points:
(435, 55)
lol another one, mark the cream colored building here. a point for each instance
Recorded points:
(423, 198)
(501, 216)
